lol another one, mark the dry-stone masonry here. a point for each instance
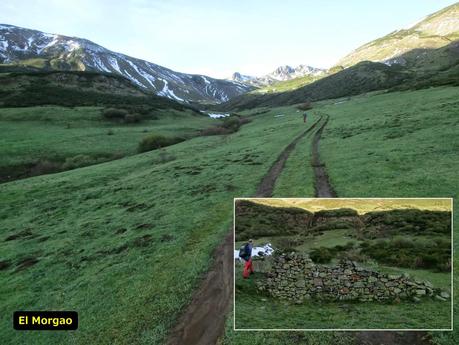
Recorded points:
(295, 277)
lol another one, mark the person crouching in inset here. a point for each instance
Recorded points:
(245, 253)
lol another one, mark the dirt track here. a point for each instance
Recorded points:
(266, 186)
(322, 186)
(203, 321)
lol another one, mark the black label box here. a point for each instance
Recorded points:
(45, 320)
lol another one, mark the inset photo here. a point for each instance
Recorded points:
(343, 264)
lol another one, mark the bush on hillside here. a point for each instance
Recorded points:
(304, 106)
(78, 161)
(217, 130)
(132, 118)
(413, 221)
(339, 212)
(44, 166)
(257, 220)
(114, 114)
(287, 244)
(321, 255)
(434, 255)
(229, 125)
(154, 142)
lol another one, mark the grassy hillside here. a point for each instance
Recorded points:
(57, 121)
(405, 139)
(112, 240)
(21, 87)
(434, 31)
(425, 68)
(364, 77)
(44, 139)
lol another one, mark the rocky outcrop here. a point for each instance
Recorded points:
(296, 278)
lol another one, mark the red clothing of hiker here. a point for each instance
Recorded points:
(248, 268)
(246, 254)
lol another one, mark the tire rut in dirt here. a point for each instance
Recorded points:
(203, 320)
(322, 186)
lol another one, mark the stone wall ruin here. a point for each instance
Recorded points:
(296, 278)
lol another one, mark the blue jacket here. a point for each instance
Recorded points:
(248, 251)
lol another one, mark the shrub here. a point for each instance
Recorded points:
(321, 255)
(217, 130)
(287, 244)
(77, 161)
(45, 166)
(132, 118)
(114, 114)
(339, 212)
(304, 106)
(400, 252)
(154, 142)
(353, 255)
(230, 125)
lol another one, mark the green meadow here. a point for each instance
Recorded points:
(113, 240)
(79, 136)
(125, 242)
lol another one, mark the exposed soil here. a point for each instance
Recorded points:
(4, 264)
(25, 263)
(203, 320)
(23, 234)
(322, 186)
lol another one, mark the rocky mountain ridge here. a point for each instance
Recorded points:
(282, 73)
(57, 52)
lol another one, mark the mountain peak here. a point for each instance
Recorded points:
(281, 73)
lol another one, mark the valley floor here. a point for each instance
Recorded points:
(126, 242)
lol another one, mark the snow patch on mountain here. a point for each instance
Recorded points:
(168, 92)
(114, 64)
(18, 44)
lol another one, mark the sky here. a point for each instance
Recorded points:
(218, 38)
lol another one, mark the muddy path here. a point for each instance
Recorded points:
(323, 189)
(322, 186)
(203, 320)
(266, 186)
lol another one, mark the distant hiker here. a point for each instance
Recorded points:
(305, 116)
(245, 253)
